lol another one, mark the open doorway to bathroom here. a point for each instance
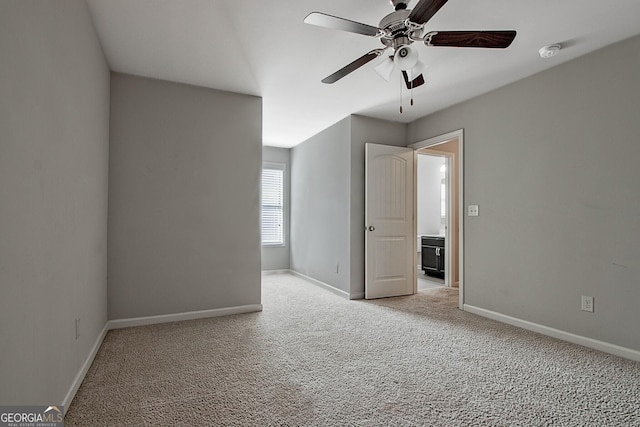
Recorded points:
(432, 213)
(447, 149)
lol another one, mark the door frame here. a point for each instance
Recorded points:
(431, 142)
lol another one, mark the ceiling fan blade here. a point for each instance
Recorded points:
(486, 39)
(347, 69)
(336, 23)
(412, 84)
(424, 10)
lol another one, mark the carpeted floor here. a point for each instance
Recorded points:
(314, 359)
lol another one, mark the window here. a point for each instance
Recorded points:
(272, 218)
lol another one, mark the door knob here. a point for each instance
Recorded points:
(372, 228)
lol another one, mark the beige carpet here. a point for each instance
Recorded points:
(314, 359)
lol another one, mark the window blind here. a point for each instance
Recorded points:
(272, 221)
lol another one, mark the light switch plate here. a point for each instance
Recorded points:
(473, 210)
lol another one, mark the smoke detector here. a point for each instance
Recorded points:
(549, 51)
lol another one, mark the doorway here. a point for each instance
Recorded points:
(432, 219)
(447, 148)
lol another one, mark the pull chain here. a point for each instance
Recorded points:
(412, 93)
(400, 96)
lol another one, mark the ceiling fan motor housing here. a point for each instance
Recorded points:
(394, 26)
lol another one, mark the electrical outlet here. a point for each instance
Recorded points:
(473, 210)
(587, 303)
(77, 327)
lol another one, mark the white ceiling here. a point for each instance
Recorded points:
(263, 48)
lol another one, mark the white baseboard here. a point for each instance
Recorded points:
(340, 292)
(323, 285)
(77, 381)
(268, 272)
(177, 317)
(333, 289)
(606, 347)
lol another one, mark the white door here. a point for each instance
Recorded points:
(389, 236)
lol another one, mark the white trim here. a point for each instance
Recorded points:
(77, 381)
(339, 292)
(459, 135)
(606, 347)
(438, 139)
(416, 263)
(177, 317)
(327, 287)
(270, 272)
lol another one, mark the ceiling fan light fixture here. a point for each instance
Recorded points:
(416, 70)
(405, 58)
(385, 68)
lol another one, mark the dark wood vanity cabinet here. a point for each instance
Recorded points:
(433, 255)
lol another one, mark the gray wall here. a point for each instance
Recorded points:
(184, 197)
(54, 136)
(320, 175)
(277, 257)
(552, 161)
(363, 130)
(327, 200)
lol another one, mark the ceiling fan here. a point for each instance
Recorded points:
(398, 31)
